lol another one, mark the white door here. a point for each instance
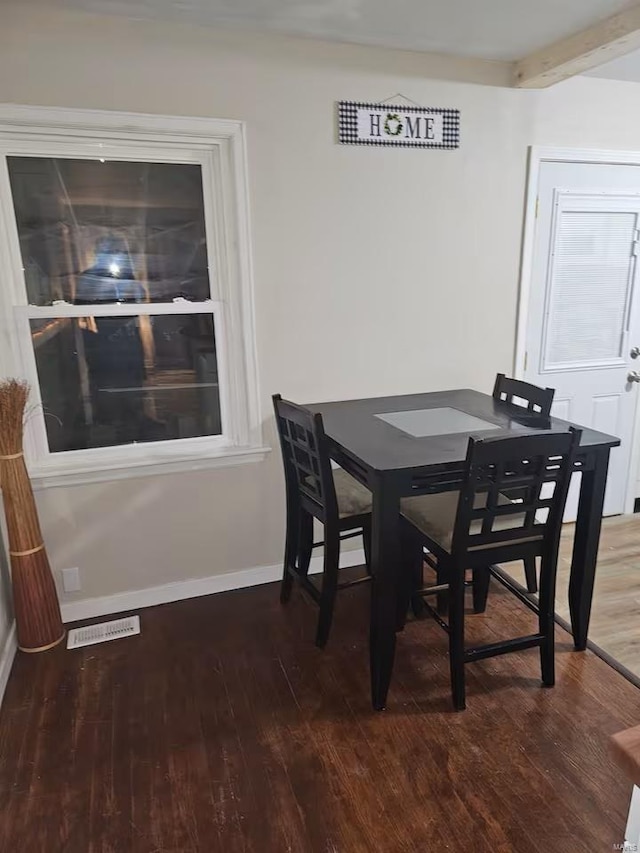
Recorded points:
(584, 318)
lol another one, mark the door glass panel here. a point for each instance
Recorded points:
(592, 265)
(108, 381)
(94, 231)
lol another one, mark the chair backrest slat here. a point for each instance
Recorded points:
(515, 488)
(530, 397)
(305, 456)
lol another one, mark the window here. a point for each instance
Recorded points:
(128, 305)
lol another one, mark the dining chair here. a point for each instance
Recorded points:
(477, 527)
(315, 490)
(537, 401)
(534, 399)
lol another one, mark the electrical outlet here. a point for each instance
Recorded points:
(71, 580)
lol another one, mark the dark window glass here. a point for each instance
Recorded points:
(110, 381)
(103, 232)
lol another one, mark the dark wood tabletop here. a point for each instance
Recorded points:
(383, 447)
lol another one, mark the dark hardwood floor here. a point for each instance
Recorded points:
(222, 728)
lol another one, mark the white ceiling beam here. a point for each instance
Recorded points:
(590, 48)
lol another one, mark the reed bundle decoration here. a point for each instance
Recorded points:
(35, 600)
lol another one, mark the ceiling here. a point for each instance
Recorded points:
(488, 29)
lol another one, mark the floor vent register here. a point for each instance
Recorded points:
(102, 632)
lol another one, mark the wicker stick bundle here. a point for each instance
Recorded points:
(35, 599)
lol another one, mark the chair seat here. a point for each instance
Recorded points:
(353, 498)
(435, 516)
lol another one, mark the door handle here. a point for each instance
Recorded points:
(633, 376)
(635, 352)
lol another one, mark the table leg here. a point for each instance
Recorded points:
(585, 546)
(385, 564)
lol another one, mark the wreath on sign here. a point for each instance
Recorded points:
(392, 117)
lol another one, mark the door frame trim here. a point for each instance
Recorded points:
(538, 154)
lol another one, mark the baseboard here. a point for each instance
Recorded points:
(7, 655)
(88, 608)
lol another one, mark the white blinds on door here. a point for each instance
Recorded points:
(588, 289)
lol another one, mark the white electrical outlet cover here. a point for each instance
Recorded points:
(71, 580)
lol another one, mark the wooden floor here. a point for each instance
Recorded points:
(615, 616)
(615, 621)
(222, 728)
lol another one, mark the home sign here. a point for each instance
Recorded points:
(397, 126)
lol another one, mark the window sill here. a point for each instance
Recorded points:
(103, 472)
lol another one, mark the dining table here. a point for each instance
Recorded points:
(414, 444)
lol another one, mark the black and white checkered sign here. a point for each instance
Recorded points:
(397, 126)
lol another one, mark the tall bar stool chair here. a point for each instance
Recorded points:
(476, 527)
(315, 490)
(537, 401)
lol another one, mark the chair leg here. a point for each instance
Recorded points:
(417, 579)
(547, 661)
(480, 589)
(329, 585)
(546, 621)
(366, 544)
(531, 574)
(297, 552)
(456, 637)
(305, 543)
(442, 598)
(417, 602)
(410, 575)
(290, 553)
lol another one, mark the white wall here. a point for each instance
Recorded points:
(5, 603)
(376, 271)
(7, 635)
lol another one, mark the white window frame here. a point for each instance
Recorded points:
(218, 146)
